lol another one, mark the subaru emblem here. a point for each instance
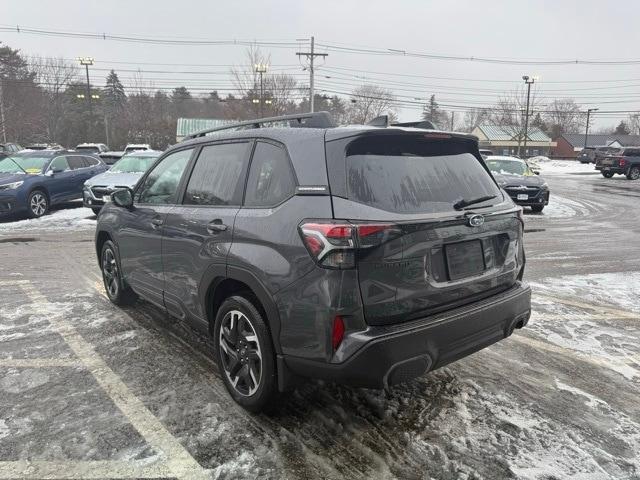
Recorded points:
(475, 220)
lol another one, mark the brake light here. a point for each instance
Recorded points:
(621, 162)
(337, 334)
(333, 244)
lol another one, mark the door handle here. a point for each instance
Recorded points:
(156, 223)
(216, 226)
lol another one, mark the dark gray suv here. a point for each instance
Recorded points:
(366, 255)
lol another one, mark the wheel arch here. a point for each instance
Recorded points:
(221, 282)
(101, 238)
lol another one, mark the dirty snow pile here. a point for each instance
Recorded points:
(64, 219)
(565, 166)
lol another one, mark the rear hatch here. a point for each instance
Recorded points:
(418, 254)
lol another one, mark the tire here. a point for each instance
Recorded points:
(537, 208)
(607, 174)
(37, 203)
(96, 211)
(634, 173)
(117, 291)
(244, 354)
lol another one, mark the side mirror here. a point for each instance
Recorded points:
(49, 173)
(122, 198)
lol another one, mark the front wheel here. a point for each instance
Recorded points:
(634, 173)
(117, 291)
(607, 174)
(38, 204)
(244, 353)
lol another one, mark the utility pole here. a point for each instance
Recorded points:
(261, 69)
(311, 56)
(86, 61)
(528, 81)
(4, 130)
(586, 131)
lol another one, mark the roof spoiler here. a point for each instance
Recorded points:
(304, 120)
(383, 121)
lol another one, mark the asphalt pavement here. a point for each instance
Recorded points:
(89, 390)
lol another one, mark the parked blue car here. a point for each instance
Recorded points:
(32, 181)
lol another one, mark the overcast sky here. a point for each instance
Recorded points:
(548, 30)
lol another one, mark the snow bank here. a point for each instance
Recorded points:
(565, 166)
(77, 218)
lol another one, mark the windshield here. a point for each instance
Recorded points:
(32, 165)
(414, 176)
(133, 164)
(508, 167)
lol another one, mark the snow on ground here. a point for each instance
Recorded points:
(560, 207)
(565, 166)
(78, 218)
(619, 289)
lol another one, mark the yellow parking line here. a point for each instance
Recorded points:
(39, 362)
(86, 470)
(177, 459)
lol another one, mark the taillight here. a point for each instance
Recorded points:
(332, 244)
(621, 162)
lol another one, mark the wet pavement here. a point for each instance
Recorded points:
(89, 390)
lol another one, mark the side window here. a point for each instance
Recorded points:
(91, 162)
(76, 162)
(271, 179)
(161, 185)
(59, 164)
(217, 178)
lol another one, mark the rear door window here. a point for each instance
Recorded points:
(76, 162)
(218, 175)
(271, 179)
(414, 175)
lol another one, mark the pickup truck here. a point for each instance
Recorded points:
(626, 162)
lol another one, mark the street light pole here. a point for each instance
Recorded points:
(261, 69)
(586, 130)
(86, 61)
(528, 81)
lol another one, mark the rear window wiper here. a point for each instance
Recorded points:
(460, 204)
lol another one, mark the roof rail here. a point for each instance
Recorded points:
(303, 120)
(383, 121)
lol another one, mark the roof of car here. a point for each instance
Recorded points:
(46, 152)
(89, 145)
(143, 153)
(504, 157)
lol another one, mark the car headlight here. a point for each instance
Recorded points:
(11, 186)
(545, 185)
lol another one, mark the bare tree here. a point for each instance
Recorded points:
(563, 115)
(278, 90)
(368, 102)
(634, 123)
(473, 118)
(54, 75)
(509, 113)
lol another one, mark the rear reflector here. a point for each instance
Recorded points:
(337, 333)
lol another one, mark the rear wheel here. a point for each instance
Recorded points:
(38, 204)
(537, 208)
(607, 174)
(117, 291)
(634, 173)
(244, 353)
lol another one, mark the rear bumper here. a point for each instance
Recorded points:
(393, 354)
(612, 169)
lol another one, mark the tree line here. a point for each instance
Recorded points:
(46, 100)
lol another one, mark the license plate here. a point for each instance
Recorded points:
(523, 196)
(464, 259)
(607, 162)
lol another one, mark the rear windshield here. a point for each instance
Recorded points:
(413, 175)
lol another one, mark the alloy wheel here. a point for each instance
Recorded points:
(634, 174)
(240, 353)
(38, 204)
(110, 273)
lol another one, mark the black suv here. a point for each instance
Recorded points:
(626, 162)
(367, 255)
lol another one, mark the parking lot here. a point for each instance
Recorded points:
(88, 390)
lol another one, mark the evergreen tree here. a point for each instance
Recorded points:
(114, 102)
(622, 128)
